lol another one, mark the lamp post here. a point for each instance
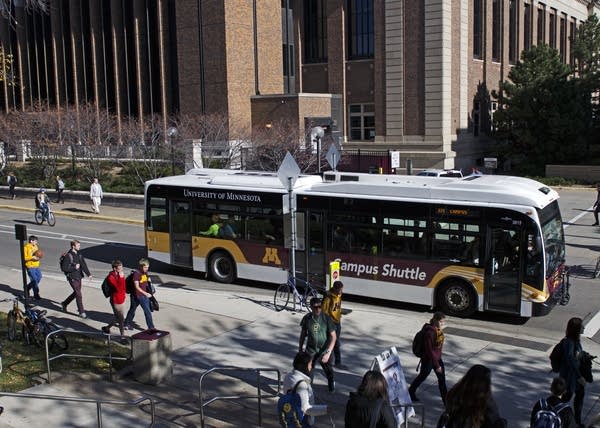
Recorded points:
(317, 134)
(172, 132)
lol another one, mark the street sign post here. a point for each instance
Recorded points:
(21, 235)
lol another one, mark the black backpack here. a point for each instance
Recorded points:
(556, 356)
(130, 284)
(548, 416)
(61, 262)
(418, 343)
(106, 288)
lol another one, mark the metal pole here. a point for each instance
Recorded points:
(259, 398)
(24, 271)
(408, 166)
(293, 228)
(172, 156)
(319, 155)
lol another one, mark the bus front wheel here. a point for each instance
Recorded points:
(457, 298)
(221, 267)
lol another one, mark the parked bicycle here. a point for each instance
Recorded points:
(47, 215)
(34, 326)
(298, 291)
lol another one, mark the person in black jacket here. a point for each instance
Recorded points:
(369, 406)
(557, 390)
(75, 267)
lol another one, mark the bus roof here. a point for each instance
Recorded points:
(267, 181)
(481, 189)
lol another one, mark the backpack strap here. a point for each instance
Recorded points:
(297, 384)
(543, 404)
(560, 407)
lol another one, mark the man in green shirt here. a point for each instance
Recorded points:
(319, 329)
(213, 230)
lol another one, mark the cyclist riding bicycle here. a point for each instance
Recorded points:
(42, 202)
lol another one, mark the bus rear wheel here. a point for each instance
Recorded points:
(221, 267)
(457, 298)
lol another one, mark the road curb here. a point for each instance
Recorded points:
(84, 216)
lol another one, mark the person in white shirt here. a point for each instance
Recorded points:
(96, 195)
(302, 369)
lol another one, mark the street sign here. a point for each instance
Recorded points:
(333, 156)
(395, 158)
(288, 169)
(491, 163)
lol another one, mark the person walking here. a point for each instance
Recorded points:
(596, 205)
(75, 267)
(332, 306)
(141, 296)
(32, 264)
(319, 333)
(433, 342)
(96, 195)
(369, 406)
(116, 281)
(555, 403)
(301, 376)
(570, 367)
(60, 187)
(11, 181)
(470, 402)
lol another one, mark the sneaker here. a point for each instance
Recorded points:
(331, 385)
(83, 315)
(595, 224)
(64, 306)
(105, 329)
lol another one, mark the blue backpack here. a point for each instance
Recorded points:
(548, 416)
(289, 409)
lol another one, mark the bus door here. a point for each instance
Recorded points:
(181, 233)
(502, 275)
(315, 250)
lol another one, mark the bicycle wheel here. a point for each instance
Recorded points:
(38, 215)
(51, 219)
(27, 334)
(282, 297)
(11, 324)
(39, 334)
(58, 340)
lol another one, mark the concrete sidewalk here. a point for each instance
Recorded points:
(212, 328)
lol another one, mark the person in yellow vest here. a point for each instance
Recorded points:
(332, 306)
(32, 263)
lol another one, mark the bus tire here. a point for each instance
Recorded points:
(221, 267)
(457, 298)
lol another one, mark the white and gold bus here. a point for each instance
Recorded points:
(481, 243)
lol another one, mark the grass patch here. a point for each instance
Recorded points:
(23, 364)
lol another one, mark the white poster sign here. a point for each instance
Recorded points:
(395, 158)
(388, 363)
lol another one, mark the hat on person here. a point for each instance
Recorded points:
(315, 301)
(42, 189)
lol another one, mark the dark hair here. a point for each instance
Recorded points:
(337, 285)
(467, 400)
(32, 238)
(373, 386)
(116, 263)
(301, 361)
(574, 327)
(558, 387)
(437, 317)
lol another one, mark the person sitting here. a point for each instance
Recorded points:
(42, 202)
(214, 228)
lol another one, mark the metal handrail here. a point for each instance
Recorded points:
(99, 403)
(406, 410)
(259, 395)
(108, 357)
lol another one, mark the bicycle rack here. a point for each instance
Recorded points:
(108, 357)
(99, 403)
(259, 395)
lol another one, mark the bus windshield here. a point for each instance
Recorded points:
(554, 239)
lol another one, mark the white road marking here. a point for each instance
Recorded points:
(47, 234)
(577, 217)
(591, 327)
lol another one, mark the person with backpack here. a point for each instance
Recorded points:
(552, 411)
(470, 404)
(11, 180)
(298, 406)
(117, 290)
(570, 366)
(140, 295)
(32, 264)
(75, 268)
(431, 356)
(369, 406)
(318, 332)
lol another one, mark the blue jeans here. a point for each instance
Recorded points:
(45, 209)
(35, 275)
(144, 302)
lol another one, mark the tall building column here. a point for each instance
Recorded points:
(394, 69)
(336, 54)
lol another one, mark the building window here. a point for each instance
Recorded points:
(360, 25)
(362, 122)
(541, 25)
(477, 29)
(513, 35)
(315, 31)
(527, 26)
(562, 34)
(496, 30)
(552, 29)
(572, 29)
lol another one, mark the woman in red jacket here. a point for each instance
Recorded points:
(116, 280)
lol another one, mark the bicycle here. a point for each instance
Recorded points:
(289, 291)
(40, 216)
